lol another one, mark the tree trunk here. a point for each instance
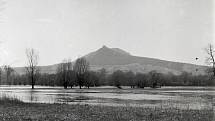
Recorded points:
(32, 81)
(80, 86)
(214, 71)
(65, 85)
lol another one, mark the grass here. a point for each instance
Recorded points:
(15, 110)
(4, 100)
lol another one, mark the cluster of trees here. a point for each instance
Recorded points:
(68, 75)
(154, 79)
(6, 75)
(78, 74)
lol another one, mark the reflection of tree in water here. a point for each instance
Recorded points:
(33, 96)
(40, 96)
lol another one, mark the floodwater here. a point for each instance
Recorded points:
(165, 97)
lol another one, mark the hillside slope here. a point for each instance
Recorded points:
(113, 59)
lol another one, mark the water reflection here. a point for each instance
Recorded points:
(32, 96)
(165, 97)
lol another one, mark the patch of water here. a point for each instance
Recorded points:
(197, 98)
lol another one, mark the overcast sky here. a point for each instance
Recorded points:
(175, 30)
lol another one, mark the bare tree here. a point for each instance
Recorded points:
(64, 70)
(8, 71)
(210, 60)
(81, 68)
(31, 68)
(0, 76)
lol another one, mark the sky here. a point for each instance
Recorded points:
(174, 30)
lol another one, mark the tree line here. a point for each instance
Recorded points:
(79, 74)
(68, 75)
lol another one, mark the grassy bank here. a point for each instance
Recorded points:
(14, 110)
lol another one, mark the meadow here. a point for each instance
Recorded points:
(13, 110)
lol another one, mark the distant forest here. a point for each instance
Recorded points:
(79, 74)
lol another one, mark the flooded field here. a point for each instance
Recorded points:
(165, 97)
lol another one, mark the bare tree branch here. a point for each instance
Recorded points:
(210, 59)
(32, 62)
(63, 72)
(81, 67)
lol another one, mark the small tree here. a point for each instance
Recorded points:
(118, 78)
(8, 71)
(210, 60)
(71, 78)
(87, 81)
(102, 77)
(91, 79)
(31, 68)
(185, 77)
(130, 80)
(141, 80)
(64, 70)
(81, 68)
(0, 76)
(155, 78)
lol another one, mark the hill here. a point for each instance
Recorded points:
(116, 59)
(113, 59)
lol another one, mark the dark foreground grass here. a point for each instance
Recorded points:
(4, 100)
(15, 110)
(64, 112)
